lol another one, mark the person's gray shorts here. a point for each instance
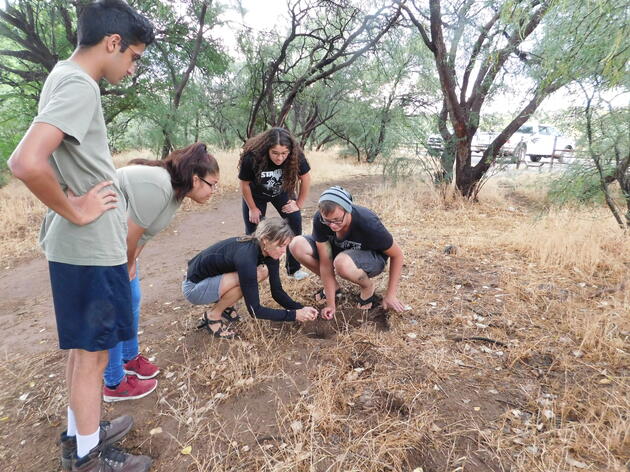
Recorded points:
(372, 262)
(203, 292)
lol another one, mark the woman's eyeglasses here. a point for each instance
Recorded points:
(213, 186)
(279, 154)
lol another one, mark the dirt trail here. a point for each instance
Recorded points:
(26, 312)
(167, 330)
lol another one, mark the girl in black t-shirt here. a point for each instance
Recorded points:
(271, 165)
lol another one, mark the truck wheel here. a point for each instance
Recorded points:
(535, 158)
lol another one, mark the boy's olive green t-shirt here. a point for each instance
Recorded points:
(71, 101)
(150, 198)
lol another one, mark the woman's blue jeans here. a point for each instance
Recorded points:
(125, 350)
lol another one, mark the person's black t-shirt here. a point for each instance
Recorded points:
(366, 232)
(268, 183)
(243, 257)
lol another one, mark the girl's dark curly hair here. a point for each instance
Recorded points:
(259, 147)
(182, 164)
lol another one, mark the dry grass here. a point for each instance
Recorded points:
(423, 395)
(20, 216)
(573, 240)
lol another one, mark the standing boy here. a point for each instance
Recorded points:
(64, 160)
(350, 241)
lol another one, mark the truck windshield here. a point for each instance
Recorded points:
(526, 130)
(549, 131)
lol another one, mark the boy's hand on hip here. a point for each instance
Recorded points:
(89, 206)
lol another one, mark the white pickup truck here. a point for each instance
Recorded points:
(534, 140)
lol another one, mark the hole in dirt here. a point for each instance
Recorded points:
(363, 356)
(345, 319)
(538, 359)
(382, 400)
(391, 403)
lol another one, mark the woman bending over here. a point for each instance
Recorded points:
(154, 190)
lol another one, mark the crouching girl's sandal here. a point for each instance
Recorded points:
(220, 333)
(320, 296)
(230, 315)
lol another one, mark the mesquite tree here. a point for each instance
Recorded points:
(323, 38)
(476, 46)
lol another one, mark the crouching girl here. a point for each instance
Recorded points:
(231, 269)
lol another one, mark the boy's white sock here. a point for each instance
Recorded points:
(86, 443)
(72, 423)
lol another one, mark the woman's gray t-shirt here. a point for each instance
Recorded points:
(150, 198)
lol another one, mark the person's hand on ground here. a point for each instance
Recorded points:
(392, 303)
(290, 207)
(254, 216)
(93, 203)
(308, 313)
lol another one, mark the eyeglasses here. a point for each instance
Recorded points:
(336, 221)
(136, 57)
(124, 43)
(279, 154)
(212, 186)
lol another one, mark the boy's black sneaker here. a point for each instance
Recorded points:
(110, 432)
(111, 459)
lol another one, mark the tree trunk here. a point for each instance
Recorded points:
(168, 144)
(179, 87)
(466, 179)
(197, 126)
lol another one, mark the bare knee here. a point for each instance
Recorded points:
(344, 265)
(300, 247)
(86, 361)
(262, 272)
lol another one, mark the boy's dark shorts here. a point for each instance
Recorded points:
(92, 305)
(372, 262)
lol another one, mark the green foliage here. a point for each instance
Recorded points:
(15, 115)
(578, 184)
(382, 107)
(609, 143)
(584, 40)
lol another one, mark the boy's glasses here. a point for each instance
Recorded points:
(124, 43)
(336, 221)
(136, 57)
